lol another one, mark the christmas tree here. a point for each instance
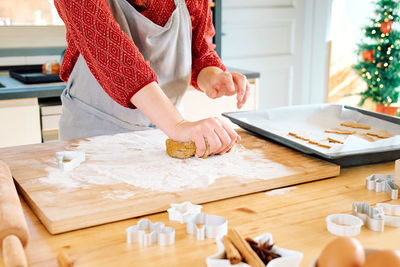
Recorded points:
(379, 55)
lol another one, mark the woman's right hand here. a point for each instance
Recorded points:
(153, 103)
(219, 135)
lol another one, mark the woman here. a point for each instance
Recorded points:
(129, 62)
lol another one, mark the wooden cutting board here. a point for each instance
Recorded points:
(62, 211)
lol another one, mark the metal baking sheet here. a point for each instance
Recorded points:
(274, 124)
(32, 74)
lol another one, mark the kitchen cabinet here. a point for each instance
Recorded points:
(50, 113)
(20, 122)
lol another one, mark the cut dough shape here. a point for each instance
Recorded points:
(310, 141)
(353, 124)
(340, 131)
(332, 140)
(319, 144)
(380, 134)
(367, 137)
(299, 136)
(183, 150)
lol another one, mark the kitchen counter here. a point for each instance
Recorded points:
(14, 89)
(295, 217)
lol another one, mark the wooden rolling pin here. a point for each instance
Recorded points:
(14, 233)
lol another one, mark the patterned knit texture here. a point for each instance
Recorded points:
(112, 56)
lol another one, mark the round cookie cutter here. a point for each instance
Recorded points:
(343, 224)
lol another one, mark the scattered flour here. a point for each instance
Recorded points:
(139, 159)
(280, 191)
(117, 194)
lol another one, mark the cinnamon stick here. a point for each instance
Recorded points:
(244, 248)
(232, 254)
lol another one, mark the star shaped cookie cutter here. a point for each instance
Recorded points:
(69, 160)
(204, 225)
(147, 233)
(182, 212)
(373, 218)
(383, 182)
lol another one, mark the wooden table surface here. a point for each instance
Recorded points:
(296, 220)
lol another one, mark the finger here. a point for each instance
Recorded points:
(200, 144)
(235, 138)
(246, 95)
(213, 93)
(230, 128)
(240, 86)
(228, 86)
(213, 140)
(224, 138)
(225, 85)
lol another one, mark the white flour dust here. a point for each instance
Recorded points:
(280, 191)
(117, 194)
(139, 159)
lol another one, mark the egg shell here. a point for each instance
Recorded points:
(386, 258)
(342, 252)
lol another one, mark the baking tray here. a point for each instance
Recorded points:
(33, 74)
(251, 121)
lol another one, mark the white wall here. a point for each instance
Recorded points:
(286, 41)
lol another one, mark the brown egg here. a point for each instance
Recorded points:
(342, 252)
(383, 258)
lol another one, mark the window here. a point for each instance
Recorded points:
(28, 12)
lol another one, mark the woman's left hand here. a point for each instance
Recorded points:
(216, 83)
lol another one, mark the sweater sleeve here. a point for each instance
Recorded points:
(110, 54)
(203, 50)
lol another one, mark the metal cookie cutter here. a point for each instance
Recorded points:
(69, 160)
(343, 224)
(373, 218)
(383, 182)
(211, 226)
(183, 212)
(146, 233)
(392, 214)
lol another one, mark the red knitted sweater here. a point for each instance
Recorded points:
(111, 55)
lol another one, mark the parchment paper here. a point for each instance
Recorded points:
(313, 120)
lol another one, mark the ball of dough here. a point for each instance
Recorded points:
(183, 150)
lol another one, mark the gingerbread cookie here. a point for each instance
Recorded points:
(367, 137)
(332, 140)
(383, 134)
(299, 136)
(319, 144)
(340, 131)
(353, 124)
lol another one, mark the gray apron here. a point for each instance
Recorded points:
(87, 110)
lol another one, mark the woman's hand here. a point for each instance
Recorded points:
(218, 133)
(152, 101)
(216, 83)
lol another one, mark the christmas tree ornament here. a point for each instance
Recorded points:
(368, 55)
(386, 27)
